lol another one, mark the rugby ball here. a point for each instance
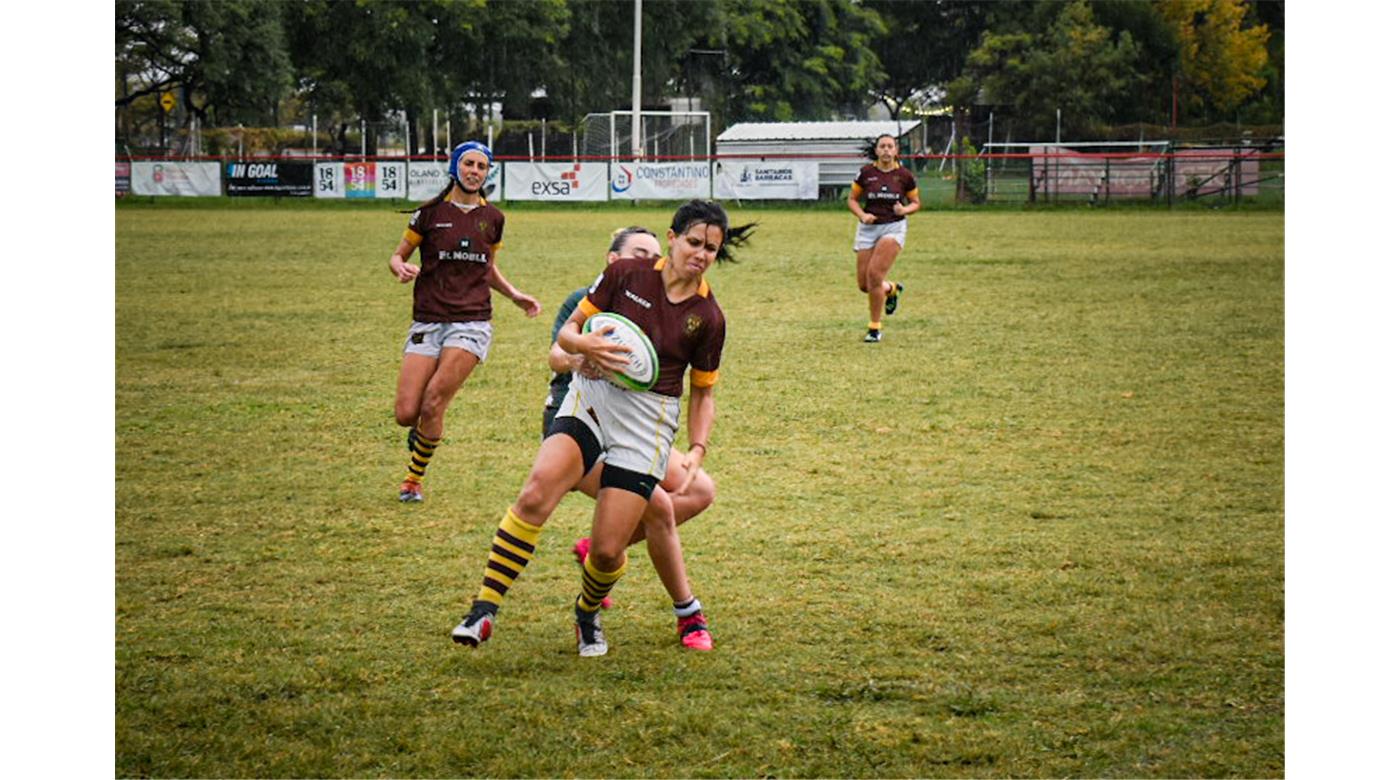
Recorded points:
(642, 366)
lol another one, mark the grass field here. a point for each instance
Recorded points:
(1037, 532)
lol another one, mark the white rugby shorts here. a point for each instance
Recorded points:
(431, 338)
(634, 428)
(868, 235)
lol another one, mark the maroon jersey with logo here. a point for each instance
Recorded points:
(456, 249)
(883, 189)
(687, 333)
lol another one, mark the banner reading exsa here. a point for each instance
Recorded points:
(556, 181)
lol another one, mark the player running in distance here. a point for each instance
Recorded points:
(458, 235)
(891, 194)
(630, 432)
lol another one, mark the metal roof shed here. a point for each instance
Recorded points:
(845, 140)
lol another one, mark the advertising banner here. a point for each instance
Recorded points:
(360, 179)
(1209, 171)
(760, 180)
(175, 178)
(426, 178)
(660, 181)
(330, 180)
(291, 179)
(123, 178)
(391, 181)
(556, 181)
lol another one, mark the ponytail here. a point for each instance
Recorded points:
(708, 212)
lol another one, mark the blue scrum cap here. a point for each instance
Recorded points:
(463, 148)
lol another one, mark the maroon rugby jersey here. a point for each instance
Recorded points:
(455, 248)
(687, 333)
(883, 189)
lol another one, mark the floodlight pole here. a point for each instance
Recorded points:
(637, 79)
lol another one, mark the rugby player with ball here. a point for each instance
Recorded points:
(629, 431)
(667, 509)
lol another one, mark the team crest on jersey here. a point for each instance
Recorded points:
(692, 324)
(483, 226)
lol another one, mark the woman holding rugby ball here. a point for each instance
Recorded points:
(457, 235)
(668, 508)
(891, 194)
(629, 431)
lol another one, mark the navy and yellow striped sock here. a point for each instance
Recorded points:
(421, 450)
(596, 584)
(511, 549)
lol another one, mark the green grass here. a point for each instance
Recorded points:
(1036, 532)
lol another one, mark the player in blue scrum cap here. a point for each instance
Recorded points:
(457, 235)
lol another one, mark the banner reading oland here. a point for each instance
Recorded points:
(661, 181)
(776, 180)
(556, 181)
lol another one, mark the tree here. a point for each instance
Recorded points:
(924, 45)
(799, 59)
(361, 59)
(1220, 62)
(1155, 63)
(228, 58)
(599, 76)
(518, 54)
(1074, 66)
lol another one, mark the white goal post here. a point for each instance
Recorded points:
(665, 135)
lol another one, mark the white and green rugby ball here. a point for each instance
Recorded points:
(642, 366)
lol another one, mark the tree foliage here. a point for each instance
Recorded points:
(1221, 61)
(1075, 66)
(924, 45)
(794, 59)
(1114, 61)
(228, 58)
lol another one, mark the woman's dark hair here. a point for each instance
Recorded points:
(620, 236)
(708, 212)
(870, 145)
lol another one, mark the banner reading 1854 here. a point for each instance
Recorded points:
(361, 179)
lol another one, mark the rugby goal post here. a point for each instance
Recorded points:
(665, 135)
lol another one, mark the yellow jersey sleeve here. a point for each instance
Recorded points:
(700, 378)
